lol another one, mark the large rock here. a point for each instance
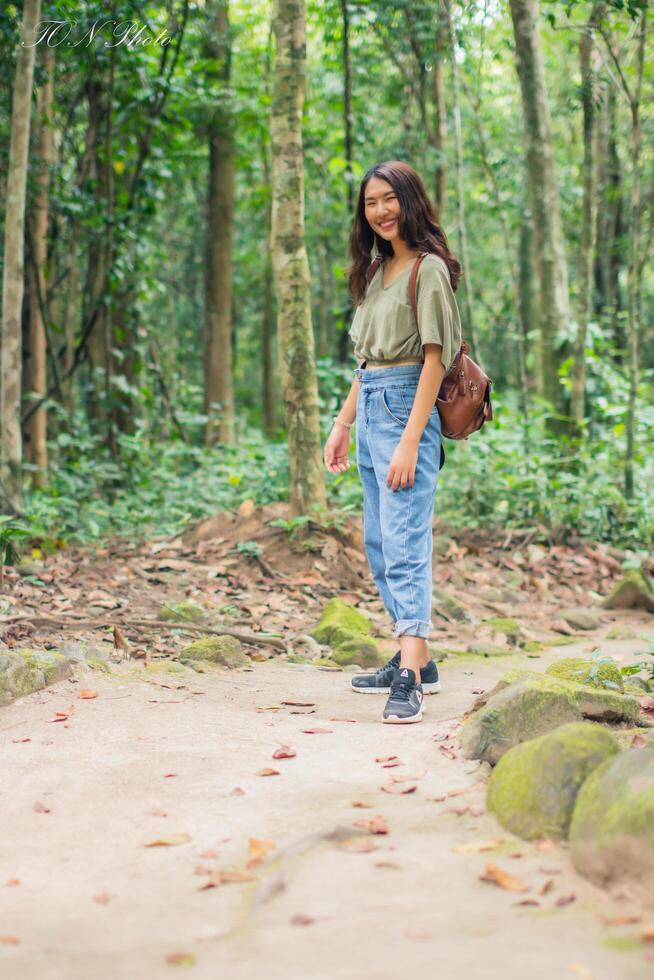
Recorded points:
(525, 704)
(446, 605)
(224, 650)
(633, 590)
(533, 788)
(612, 827)
(25, 671)
(581, 618)
(590, 672)
(347, 632)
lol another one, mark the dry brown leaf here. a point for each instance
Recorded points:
(478, 846)
(497, 876)
(157, 813)
(376, 825)
(12, 882)
(565, 900)
(546, 887)
(209, 854)
(400, 789)
(526, 901)
(284, 752)
(385, 758)
(318, 731)
(237, 791)
(180, 959)
(87, 694)
(352, 721)
(300, 704)
(388, 864)
(41, 807)
(102, 899)
(120, 643)
(301, 920)
(362, 806)
(219, 878)
(267, 707)
(466, 789)
(9, 940)
(170, 841)
(392, 764)
(21, 739)
(647, 934)
(268, 772)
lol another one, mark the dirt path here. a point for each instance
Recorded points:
(157, 755)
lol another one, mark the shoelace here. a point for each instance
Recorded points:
(401, 692)
(391, 663)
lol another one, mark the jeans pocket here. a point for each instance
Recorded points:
(395, 405)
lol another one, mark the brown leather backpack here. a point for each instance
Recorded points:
(464, 398)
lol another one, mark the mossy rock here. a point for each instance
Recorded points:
(533, 788)
(338, 621)
(612, 827)
(581, 618)
(223, 650)
(625, 736)
(358, 650)
(183, 612)
(580, 671)
(533, 646)
(633, 590)
(560, 641)
(326, 662)
(25, 671)
(508, 627)
(525, 704)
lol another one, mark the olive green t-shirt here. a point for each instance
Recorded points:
(384, 328)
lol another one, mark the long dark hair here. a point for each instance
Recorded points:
(418, 226)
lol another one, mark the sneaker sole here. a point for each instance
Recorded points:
(433, 688)
(396, 720)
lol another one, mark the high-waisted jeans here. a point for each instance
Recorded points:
(397, 524)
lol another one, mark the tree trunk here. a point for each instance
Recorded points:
(440, 129)
(610, 222)
(587, 231)
(543, 194)
(460, 206)
(14, 258)
(218, 391)
(291, 268)
(36, 364)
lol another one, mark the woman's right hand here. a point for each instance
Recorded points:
(337, 448)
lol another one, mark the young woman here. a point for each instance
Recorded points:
(398, 429)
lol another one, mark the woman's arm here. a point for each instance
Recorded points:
(338, 444)
(348, 412)
(402, 469)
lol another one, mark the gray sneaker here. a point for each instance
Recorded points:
(405, 702)
(379, 682)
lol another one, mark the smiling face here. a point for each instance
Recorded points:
(382, 209)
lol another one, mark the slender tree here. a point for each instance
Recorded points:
(14, 264)
(552, 273)
(290, 264)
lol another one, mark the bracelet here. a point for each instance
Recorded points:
(348, 425)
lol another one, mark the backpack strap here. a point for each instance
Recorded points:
(413, 279)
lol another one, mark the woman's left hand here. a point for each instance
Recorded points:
(402, 469)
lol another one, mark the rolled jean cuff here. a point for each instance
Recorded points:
(412, 627)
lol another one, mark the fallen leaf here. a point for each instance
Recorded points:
(392, 764)
(9, 940)
(86, 694)
(209, 854)
(272, 707)
(497, 876)
(546, 887)
(102, 899)
(448, 753)
(169, 775)
(284, 752)
(258, 848)
(477, 847)
(300, 704)
(438, 799)
(622, 920)
(526, 901)
(62, 715)
(400, 789)
(565, 900)
(237, 791)
(419, 934)
(359, 845)
(219, 878)
(459, 810)
(120, 643)
(12, 882)
(385, 758)
(638, 742)
(388, 864)
(362, 806)
(478, 690)
(21, 739)
(41, 807)
(301, 920)
(169, 841)
(352, 721)
(647, 934)
(318, 731)
(181, 959)
(376, 825)
(269, 772)
(466, 789)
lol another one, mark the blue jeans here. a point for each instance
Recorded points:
(397, 524)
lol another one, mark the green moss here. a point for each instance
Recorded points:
(224, 650)
(634, 589)
(326, 662)
(602, 675)
(525, 704)
(533, 788)
(533, 646)
(97, 663)
(183, 612)
(338, 618)
(482, 648)
(509, 627)
(561, 641)
(358, 650)
(623, 944)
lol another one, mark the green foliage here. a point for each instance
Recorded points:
(11, 533)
